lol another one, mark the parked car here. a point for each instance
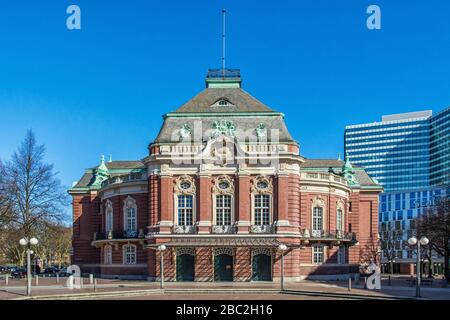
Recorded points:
(63, 273)
(19, 273)
(3, 269)
(51, 271)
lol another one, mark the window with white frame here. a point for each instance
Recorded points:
(131, 219)
(107, 255)
(262, 209)
(318, 254)
(339, 220)
(129, 254)
(185, 212)
(317, 224)
(223, 210)
(342, 255)
(109, 218)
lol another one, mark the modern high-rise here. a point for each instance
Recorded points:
(409, 155)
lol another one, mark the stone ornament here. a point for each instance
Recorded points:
(224, 127)
(227, 251)
(185, 131)
(261, 130)
(223, 229)
(223, 185)
(182, 251)
(185, 185)
(262, 185)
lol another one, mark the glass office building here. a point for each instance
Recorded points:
(394, 151)
(440, 148)
(409, 155)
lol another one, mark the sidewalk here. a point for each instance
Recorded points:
(48, 287)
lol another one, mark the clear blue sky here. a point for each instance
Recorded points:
(103, 90)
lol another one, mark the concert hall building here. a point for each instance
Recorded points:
(222, 194)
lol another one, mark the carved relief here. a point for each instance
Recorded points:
(318, 201)
(262, 185)
(223, 185)
(184, 185)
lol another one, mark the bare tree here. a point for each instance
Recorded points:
(30, 188)
(388, 242)
(435, 225)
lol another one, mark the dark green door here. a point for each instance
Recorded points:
(262, 268)
(185, 267)
(223, 268)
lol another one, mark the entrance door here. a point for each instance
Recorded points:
(223, 267)
(262, 268)
(185, 267)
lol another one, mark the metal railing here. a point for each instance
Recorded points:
(223, 73)
(117, 235)
(328, 235)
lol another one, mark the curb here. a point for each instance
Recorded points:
(94, 295)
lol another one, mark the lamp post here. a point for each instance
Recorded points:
(161, 249)
(28, 243)
(414, 242)
(282, 248)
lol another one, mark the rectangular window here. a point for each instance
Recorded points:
(317, 219)
(223, 210)
(131, 219)
(339, 220)
(262, 210)
(318, 254)
(129, 255)
(185, 213)
(410, 214)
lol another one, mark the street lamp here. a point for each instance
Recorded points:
(28, 243)
(282, 248)
(161, 249)
(414, 242)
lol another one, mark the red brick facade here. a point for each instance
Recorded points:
(228, 216)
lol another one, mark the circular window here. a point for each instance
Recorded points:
(224, 185)
(262, 184)
(185, 185)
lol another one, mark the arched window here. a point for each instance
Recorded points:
(130, 216)
(317, 223)
(107, 255)
(129, 254)
(109, 217)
